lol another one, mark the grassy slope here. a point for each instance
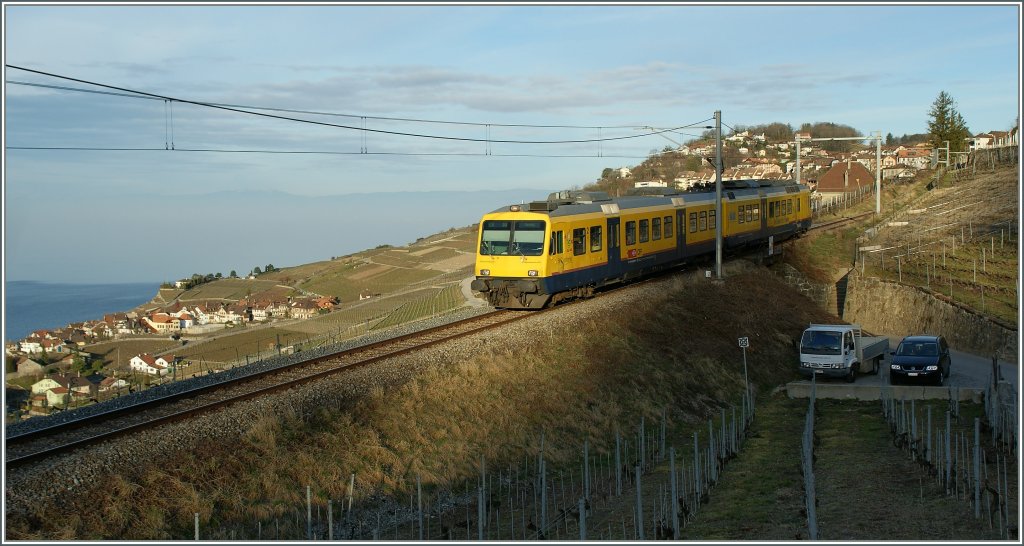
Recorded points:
(578, 382)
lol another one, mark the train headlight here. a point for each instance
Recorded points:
(532, 272)
(485, 272)
(514, 208)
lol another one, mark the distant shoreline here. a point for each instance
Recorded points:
(42, 305)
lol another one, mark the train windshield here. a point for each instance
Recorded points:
(512, 238)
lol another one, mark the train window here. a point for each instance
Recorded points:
(711, 220)
(656, 229)
(595, 238)
(703, 220)
(750, 213)
(798, 204)
(631, 232)
(613, 238)
(644, 231)
(789, 206)
(740, 214)
(693, 222)
(495, 238)
(668, 227)
(556, 243)
(579, 241)
(528, 237)
(771, 209)
(757, 213)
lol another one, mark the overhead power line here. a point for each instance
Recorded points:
(340, 126)
(335, 114)
(315, 152)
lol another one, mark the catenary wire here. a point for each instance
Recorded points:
(335, 114)
(315, 152)
(321, 123)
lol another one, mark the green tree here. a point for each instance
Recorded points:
(233, 274)
(945, 124)
(889, 139)
(256, 270)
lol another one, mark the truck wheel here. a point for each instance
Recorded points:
(875, 366)
(853, 372)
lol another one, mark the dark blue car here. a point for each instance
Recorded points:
(920, 358)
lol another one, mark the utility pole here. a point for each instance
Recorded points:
(718, 194)
(797, 176)
(878, 172)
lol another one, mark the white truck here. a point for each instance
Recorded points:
(840, 350)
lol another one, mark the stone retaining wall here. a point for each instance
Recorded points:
(899, 310)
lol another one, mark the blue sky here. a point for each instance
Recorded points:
(95, 216)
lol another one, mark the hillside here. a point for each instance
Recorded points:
(579, 373)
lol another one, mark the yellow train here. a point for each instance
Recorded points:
(536, 254)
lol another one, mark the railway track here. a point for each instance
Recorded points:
(43, 443)
(840, 221)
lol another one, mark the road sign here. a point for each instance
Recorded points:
(744, 342)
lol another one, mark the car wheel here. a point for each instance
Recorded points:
(941, 379)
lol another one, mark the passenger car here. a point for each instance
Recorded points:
(920, 357)
(539, 253)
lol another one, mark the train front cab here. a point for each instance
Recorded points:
(511, 259)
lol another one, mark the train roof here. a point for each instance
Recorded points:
(570, 202)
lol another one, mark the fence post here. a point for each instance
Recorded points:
(583, 519)
(977, 467)
(419, 505)
(674, 501)
(639, 506)
(197, 525)
(586, 468)
(618, 464)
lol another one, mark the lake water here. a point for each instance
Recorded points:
(31, 305)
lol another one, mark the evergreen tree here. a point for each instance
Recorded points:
(946, 124)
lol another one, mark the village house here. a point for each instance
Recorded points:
(148, 364)
(161, 323)
(111, 384)
(26, 367)
(60, 389)
(919, 158)
(898, 173)
(303, 309)
(326, 302)
(842, 179)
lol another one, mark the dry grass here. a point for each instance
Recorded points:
(578, 382)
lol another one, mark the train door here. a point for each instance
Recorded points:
(764, 216)
(614, 258)
(680, 229)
